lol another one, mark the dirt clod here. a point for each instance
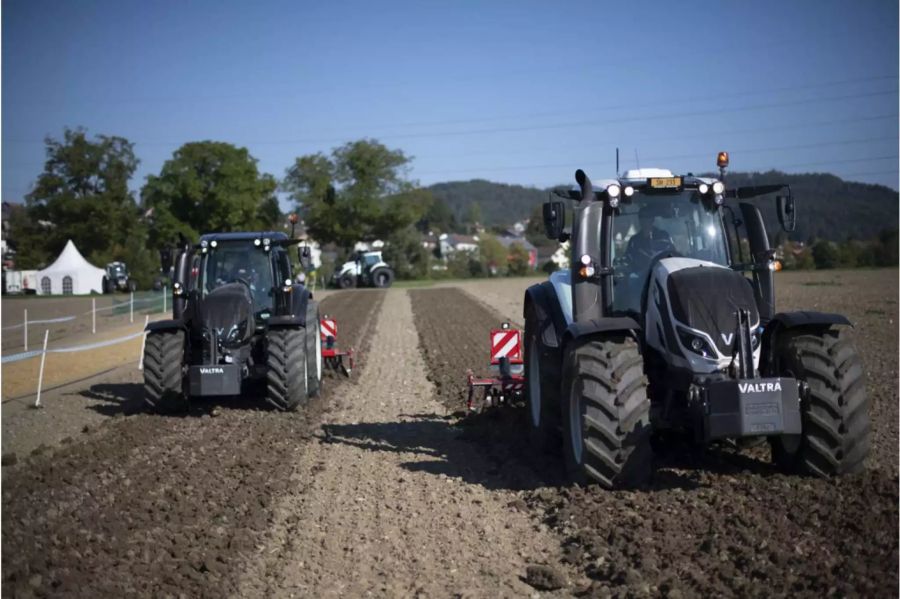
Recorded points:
(544, 578)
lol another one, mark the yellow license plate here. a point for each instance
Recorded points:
(665, 182)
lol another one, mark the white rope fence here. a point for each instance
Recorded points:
(74, 348)
(130, 305)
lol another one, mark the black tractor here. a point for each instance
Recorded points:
(665, 326)
(238, 319)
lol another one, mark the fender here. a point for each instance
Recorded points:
(618, 324)
(166, 325)
(300, 297)
(543, 297)
(784, 321)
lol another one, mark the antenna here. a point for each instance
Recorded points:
(636, 159)
(617, 163)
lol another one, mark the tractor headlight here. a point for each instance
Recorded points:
(613, 191)
(628, 191)
(204, 243)
(234, 335)
(697, 344)
(703, 188)
(718, 188)
(214, 243)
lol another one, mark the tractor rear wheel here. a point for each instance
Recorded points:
(313, 350)
(541, 389)
(163, 374)
(286, 379)
(382, 277)
(834, 410)
(606, 414)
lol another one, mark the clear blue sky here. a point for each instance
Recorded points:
(520, 92)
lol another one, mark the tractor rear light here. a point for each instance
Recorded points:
(718, 187)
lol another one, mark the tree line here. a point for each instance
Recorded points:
(360, 191)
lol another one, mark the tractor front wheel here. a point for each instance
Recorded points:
(286, 379)
(834, 412)
(347, 281)
(606, 414)
(163, 361)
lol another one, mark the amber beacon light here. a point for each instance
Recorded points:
(722, 160)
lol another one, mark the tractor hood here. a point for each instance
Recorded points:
(707, 299)
(691, 313)
(228, 310)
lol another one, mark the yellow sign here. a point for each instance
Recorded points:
(665, 182)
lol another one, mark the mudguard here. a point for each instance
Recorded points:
(791, 320)
(166, 325)
(300, 297)
(543, 297)
(618, 324)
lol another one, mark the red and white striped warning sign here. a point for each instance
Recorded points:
(328, 328)
(505, 343)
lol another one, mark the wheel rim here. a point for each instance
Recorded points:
(575, 438)
(382, 279)
(318, 353)
(534, 383)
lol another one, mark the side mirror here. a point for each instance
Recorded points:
(165, 259)
(787, 212)
(554, 219)
(304, 256)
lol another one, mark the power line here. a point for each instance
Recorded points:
(655, 158)
(566, 125)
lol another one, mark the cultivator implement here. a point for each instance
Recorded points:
(332, 357)
(508, 384)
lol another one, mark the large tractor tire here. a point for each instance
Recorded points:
(286, 379)
(383, 277)
(834, 408)
(541, 389)
(313, 350)
(606, 414)
(347, 281)
(163, 372)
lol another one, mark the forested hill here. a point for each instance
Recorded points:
(828, 207)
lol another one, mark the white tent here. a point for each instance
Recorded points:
(71, 274)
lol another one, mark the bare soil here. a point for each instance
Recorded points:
(384, 487)
(159, 506)
(392, 500)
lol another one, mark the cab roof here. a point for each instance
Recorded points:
(243, 236)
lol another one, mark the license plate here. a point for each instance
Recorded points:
(665, 182)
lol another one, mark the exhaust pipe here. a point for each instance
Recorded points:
(587, 189)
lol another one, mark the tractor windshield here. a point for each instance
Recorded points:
(652, 224)
(238, 262)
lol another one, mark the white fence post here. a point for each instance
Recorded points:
(25, 322)
(132, 307)
(37, 402)
(93, 316)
